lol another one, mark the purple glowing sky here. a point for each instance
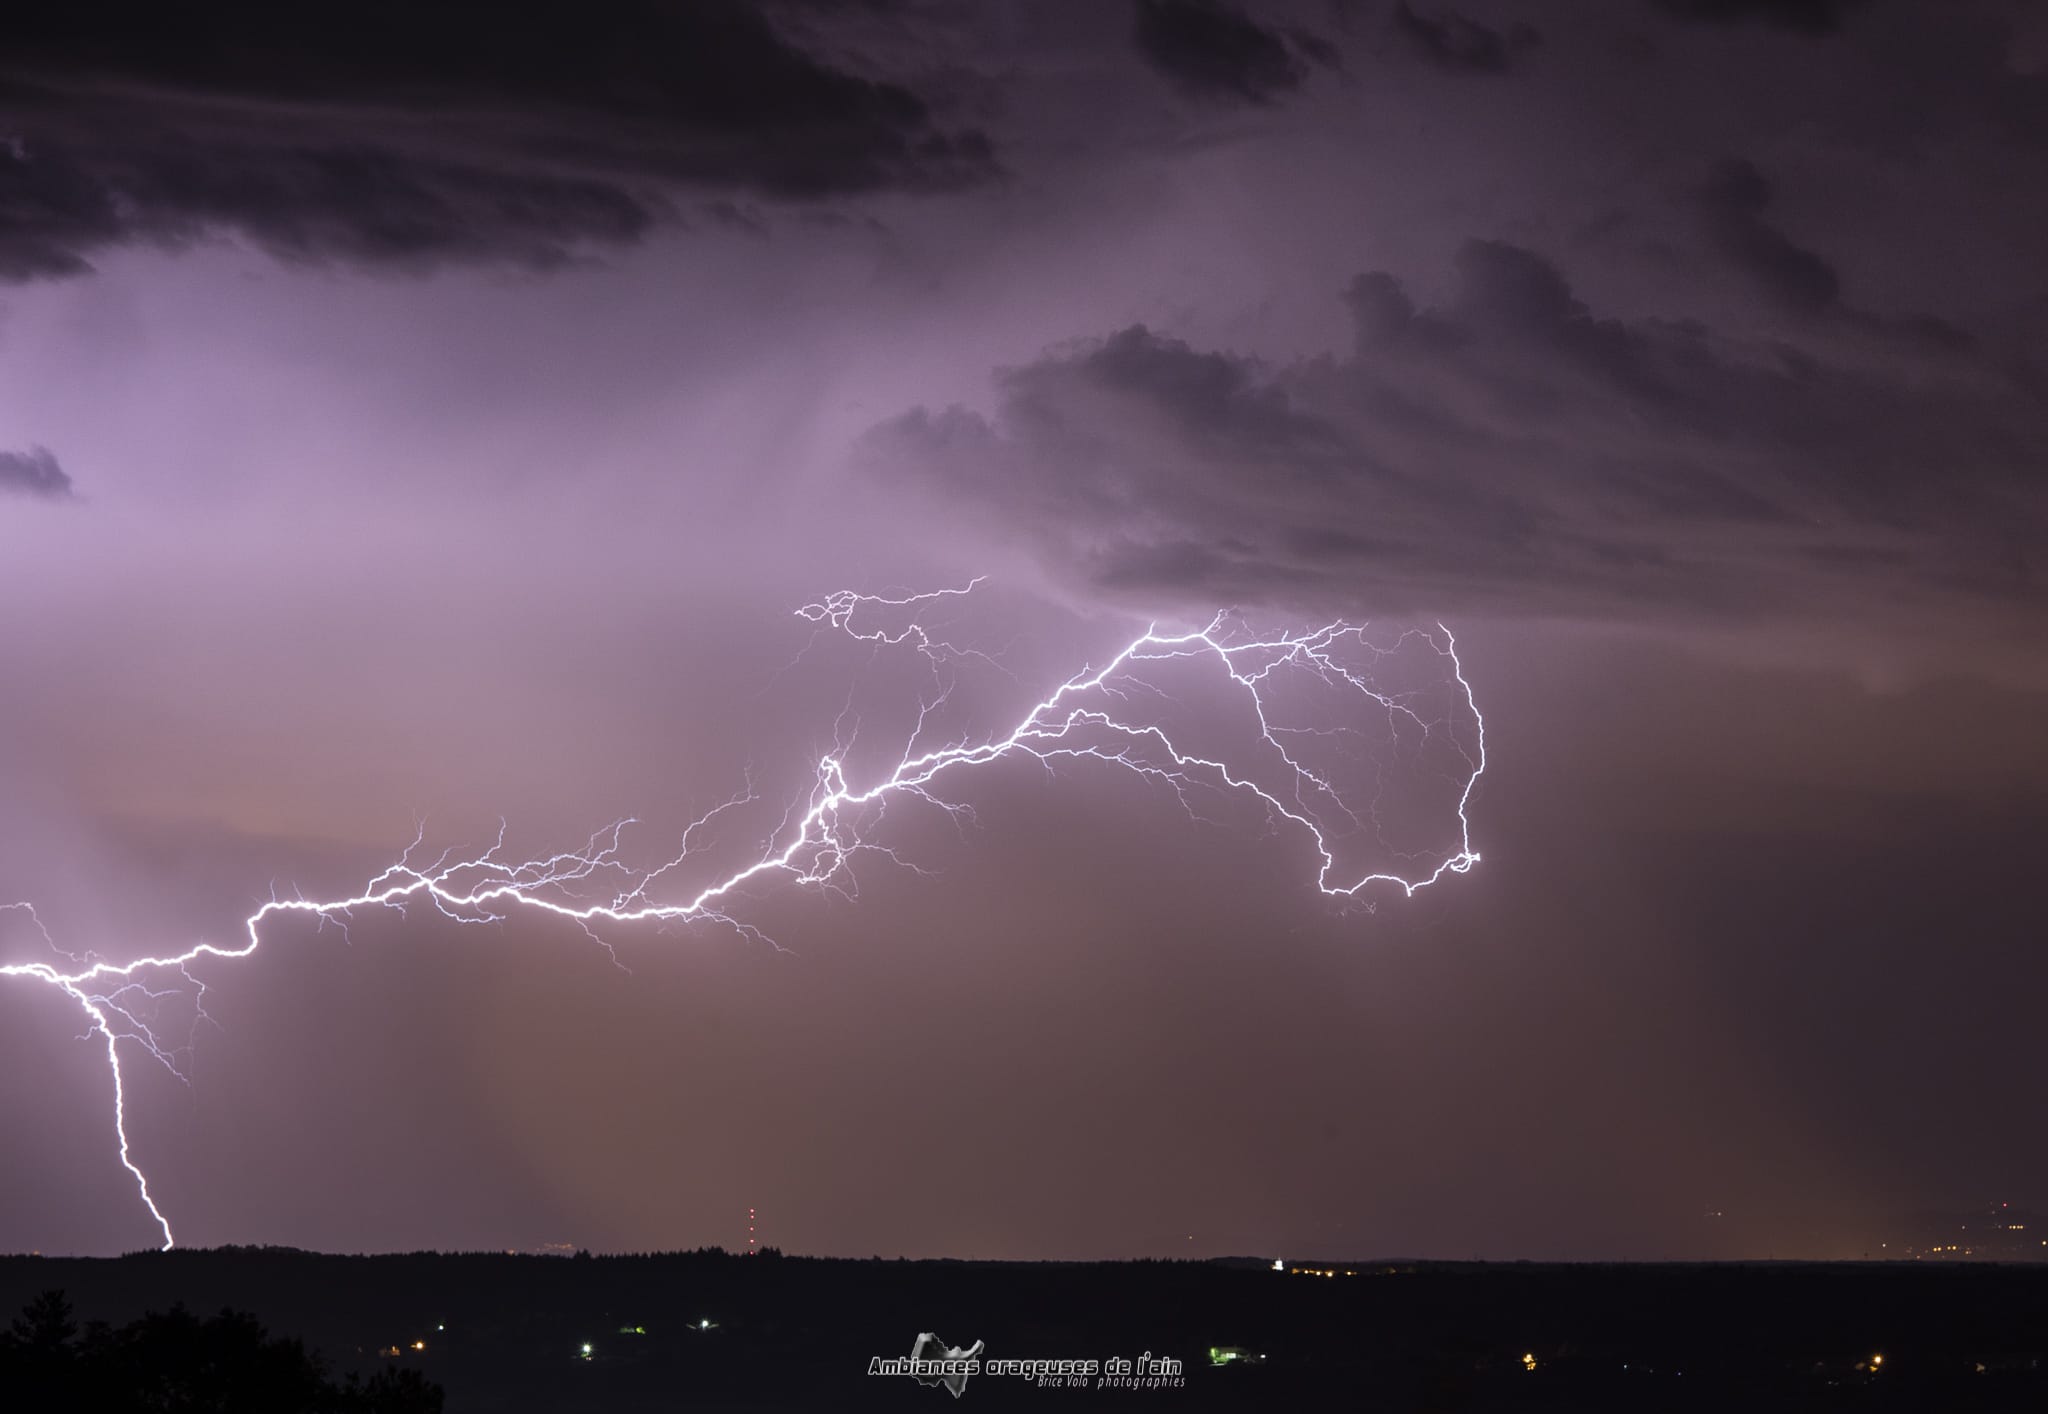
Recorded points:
(446, 429)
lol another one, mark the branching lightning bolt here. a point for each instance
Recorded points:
(1088, 717)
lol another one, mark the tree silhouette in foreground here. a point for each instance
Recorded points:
(172, 1362)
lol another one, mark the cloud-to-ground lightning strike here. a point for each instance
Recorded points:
(1090, 716)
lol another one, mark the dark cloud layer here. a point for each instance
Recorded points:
(1212, 50)
(1735, 200)
(1452, 41)
(1806, 16)
(34, 472)
(408, 135)
(1511, 450)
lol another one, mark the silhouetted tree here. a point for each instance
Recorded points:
(45, 1326)
(36, 1355)
(174, 1363)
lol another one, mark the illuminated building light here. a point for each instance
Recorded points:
(1221, 1355)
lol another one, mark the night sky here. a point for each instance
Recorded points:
(409, 415)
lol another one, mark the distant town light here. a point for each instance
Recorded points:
(1529, 1361)
(1221, 1355)
(419, 1345)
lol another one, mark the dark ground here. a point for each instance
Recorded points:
(505, 1333)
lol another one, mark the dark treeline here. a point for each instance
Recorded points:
(173, 1362)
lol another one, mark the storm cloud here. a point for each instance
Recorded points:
(1212, 50)
(1735, 201)
(1506, 450)
(1804, 16)
(34, 472)
(1452, 41)
(410, 137)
